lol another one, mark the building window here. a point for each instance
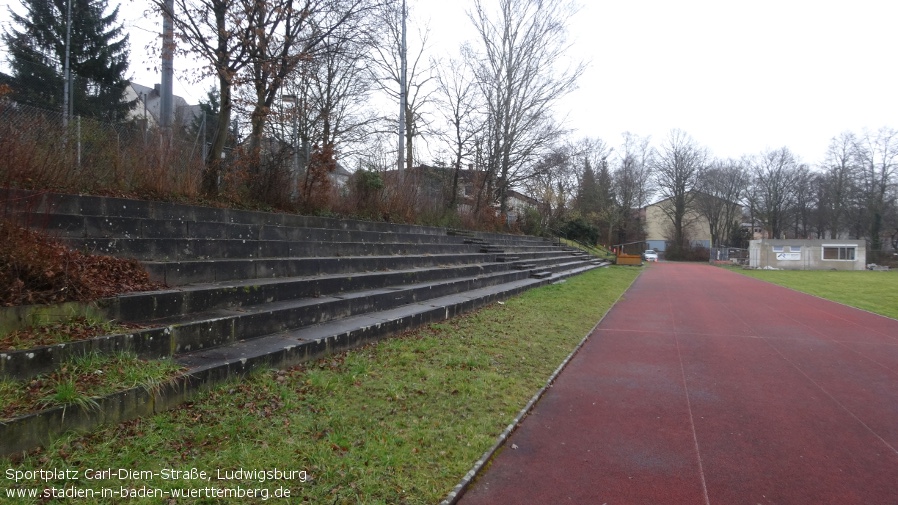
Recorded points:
(786, 248)
(839, 252)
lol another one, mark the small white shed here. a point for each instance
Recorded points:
(802, 254)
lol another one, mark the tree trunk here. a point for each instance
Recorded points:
(255, 137)
(212, 170)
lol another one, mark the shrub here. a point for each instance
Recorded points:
(578, 229)
(686, 253)
(531, 222)
(366, 192)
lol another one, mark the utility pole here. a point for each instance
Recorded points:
(67, 85)
(168, 50)
(402, 93)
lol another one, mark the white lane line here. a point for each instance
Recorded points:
(698, 453)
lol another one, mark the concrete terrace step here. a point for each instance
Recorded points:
(263, 289)
(516, 248)
(209, 367)
(475, 237)
(536, 255)
(191, 249)
(563, 267)
(141, 307)
(400, 318)
(208, 316)
(95, 210)
(211, 329)
(75, 226)
(184, 332)
(85, 227)
(178, 273)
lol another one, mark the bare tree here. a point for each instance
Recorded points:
(720, 190)
(215, 31)
(521, 41)
(458, 104)
(879, 155)
(339, 90)
(820, 213)
(804, 201)
(329, 112)
(677, 166)
(841, 166)
(555, 184)
(773, 196)
(386, 68)
(284, 36)
(252, 41)
(328, 96)
(632, 184)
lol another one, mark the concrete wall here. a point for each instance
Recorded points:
(658, 225)
(797, 254)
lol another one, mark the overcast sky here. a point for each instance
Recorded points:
(738, 77)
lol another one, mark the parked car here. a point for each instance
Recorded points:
(650, 255)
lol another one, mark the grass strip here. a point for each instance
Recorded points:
(80, 380)
(876, 292)
(399, 421)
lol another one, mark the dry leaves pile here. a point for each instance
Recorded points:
(35, 269)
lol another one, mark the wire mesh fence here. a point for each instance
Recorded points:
(729, 255)
(43, 148)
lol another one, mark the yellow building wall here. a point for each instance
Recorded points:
(657, 225)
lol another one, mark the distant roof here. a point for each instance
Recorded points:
(664, 199)
(341, 170)
(522, 197)
(149, 104)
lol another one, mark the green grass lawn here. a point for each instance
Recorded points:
(873, 291)
(399, 421)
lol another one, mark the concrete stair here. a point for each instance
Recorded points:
(250, 289)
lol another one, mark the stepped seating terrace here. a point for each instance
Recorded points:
(249, 289)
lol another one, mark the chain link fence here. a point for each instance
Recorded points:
(729, 255)
(44, 148)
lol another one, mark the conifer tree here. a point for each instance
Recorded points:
(588, 193)
(98, 57)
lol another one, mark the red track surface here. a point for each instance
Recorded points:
(705, 386)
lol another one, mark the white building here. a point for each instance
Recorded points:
(801, 254)
(149, 105)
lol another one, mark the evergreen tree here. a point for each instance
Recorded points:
(207, 120)
(588, 192)
(604, 188)
(210, 109)
(98, 57)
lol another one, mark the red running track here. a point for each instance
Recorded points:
(705, 386)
